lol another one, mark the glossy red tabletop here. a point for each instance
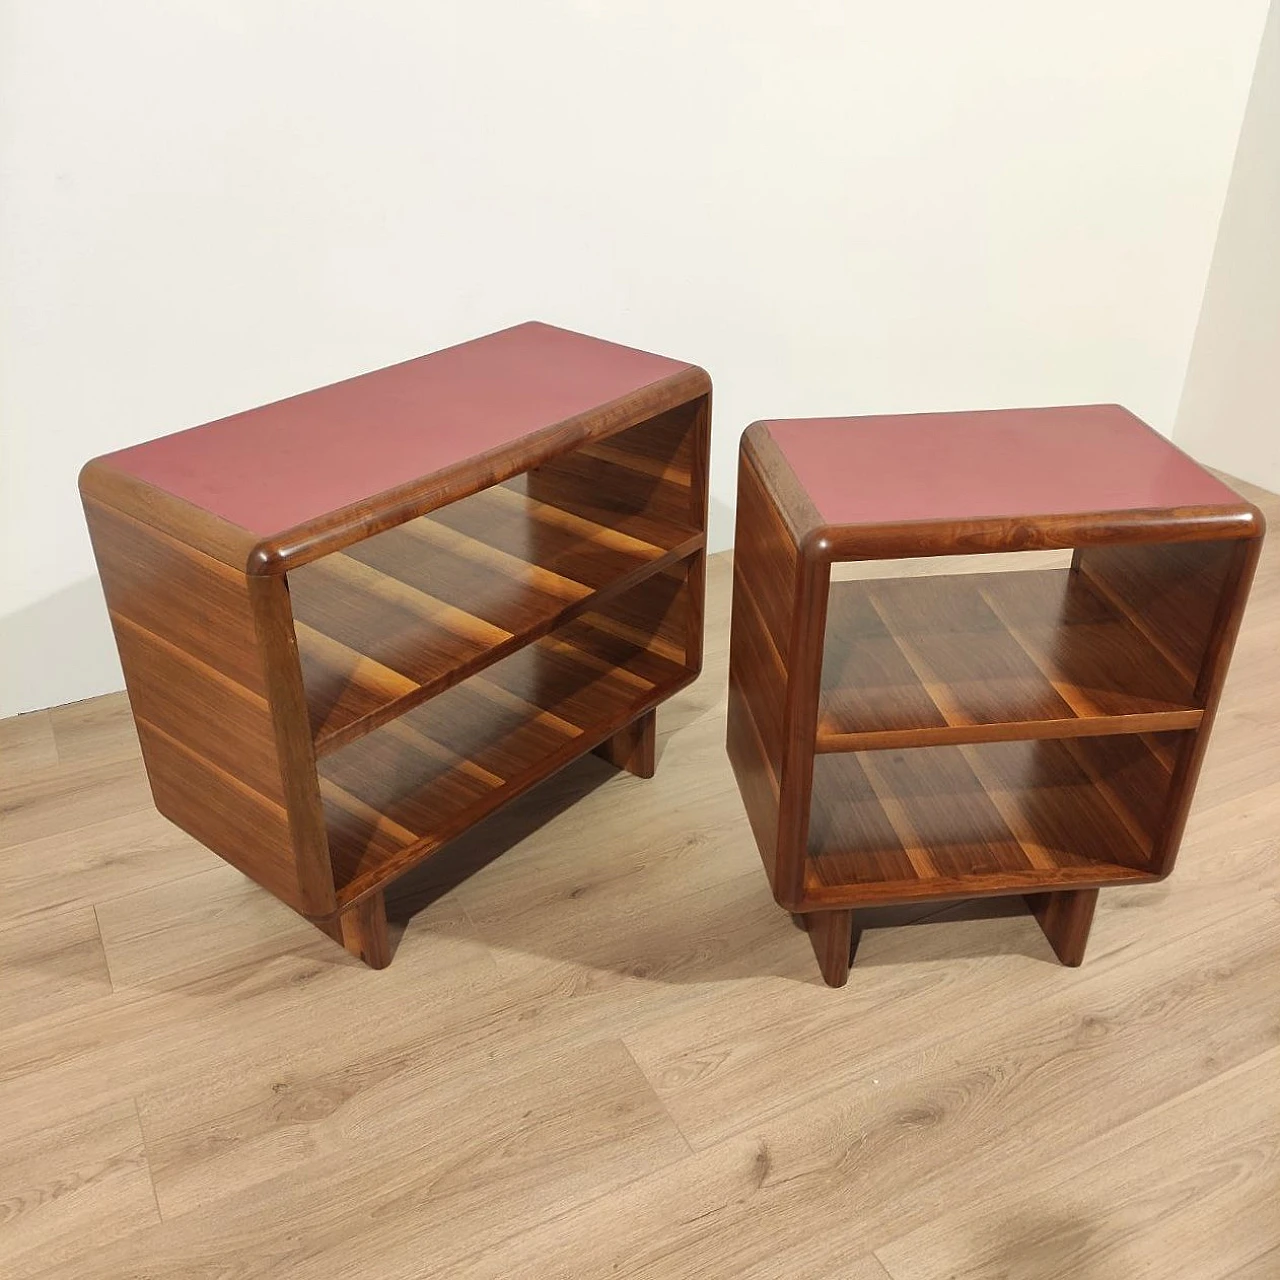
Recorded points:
(274, 468)
(994, 463)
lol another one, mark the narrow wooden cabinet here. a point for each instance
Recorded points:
(356, 622)
(1039, 731)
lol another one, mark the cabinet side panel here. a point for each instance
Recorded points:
(1188, 598)
(656, 613)
(185, 630)
(764, 550)
(764, 573)
(1224, 626)
(192, 601)
(647, 472)
(239, 824)
(1171, 591)
(1133, 775)
(221, 721)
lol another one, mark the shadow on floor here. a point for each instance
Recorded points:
(685, 907)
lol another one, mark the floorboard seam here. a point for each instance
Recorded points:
(657, 1097)
(102, 943)
(146, 1155)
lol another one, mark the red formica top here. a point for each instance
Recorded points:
(994, 463)
(275, 468)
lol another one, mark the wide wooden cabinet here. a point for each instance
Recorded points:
(356, 622)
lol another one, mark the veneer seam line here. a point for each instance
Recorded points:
(190, 659)
(227, 571)
(205, 763)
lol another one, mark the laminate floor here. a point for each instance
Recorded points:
(609, 1053)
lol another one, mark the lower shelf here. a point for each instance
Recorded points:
(1009, 817)
(395, 796)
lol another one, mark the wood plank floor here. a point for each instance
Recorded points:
(608, 1053)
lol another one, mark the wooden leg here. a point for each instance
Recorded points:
(362, 929)
(1065, 917)
(834, 938)
(632, 747)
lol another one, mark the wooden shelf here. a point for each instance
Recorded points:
(395, 796)
(1010, 817)
(985, 657)
(405, 615)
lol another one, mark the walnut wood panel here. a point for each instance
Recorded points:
(765, 572)
(661, 612)
(287, 699)
(1134, 774)
(764, 550)
(1172, 592)
(913, 661)
(143, 570)
(395, 796)
(646, 471)
(236, 822)
(758, 677)
(226, 724)
(1228, 617)
(187, 629)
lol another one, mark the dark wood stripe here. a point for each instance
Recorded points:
(214, 717)
(756, 779)
(144, 571)
(235, 821)
(756, 669)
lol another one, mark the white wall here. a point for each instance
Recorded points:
(1230, 410)
(839, 206)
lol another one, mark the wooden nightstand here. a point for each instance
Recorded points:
(956, 736)
(355, 622)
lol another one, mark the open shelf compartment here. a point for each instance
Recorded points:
(403, 616)
(954, 658)
(1002, 817)
(397, 794)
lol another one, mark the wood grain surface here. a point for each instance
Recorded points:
(608, 1053)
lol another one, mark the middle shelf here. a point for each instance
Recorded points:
(395, 620)
(955, 658)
